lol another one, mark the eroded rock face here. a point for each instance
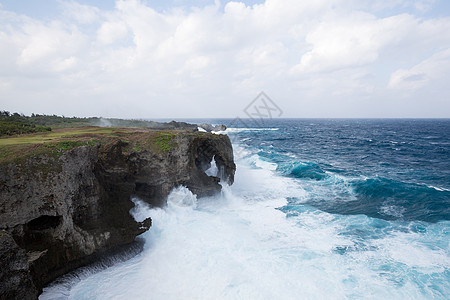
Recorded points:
(157, 175)
(63, 212)
(15, 278)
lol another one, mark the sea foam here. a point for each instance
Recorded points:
(269, 236)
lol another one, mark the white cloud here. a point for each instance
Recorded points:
(83, 14)
(64, 64)
(435, 68)
(423, 5)
(358, 39)
(40, 42)
(420, 6)
(175, 62)
(347, 42)
(111, 32)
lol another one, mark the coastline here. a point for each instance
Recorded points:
(67, 194)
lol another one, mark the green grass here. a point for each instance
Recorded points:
(19, 153)
(41, 138)
(46, 120)
(165, 141)
(67, 145)
(53, 144)
(15, 149)
(9, 128)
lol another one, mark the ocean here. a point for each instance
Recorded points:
(320, 209)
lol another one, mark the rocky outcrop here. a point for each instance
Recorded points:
(15, 278)
(59, 212)
(211, 128)
(185, 164)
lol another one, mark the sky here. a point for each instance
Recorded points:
(210, 59)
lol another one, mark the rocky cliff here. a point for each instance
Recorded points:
(68, 202)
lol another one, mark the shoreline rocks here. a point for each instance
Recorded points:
(212, 128)
(59, 213)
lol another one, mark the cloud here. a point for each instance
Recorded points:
(436, 68)
(423, 5)
(41, 43)
(110, 32)
(361, 38)
(339, 43)
(177, 61)
(420, 6)
(83, 14)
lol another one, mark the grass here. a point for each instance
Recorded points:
(55, 143)
(56, 135)
(165, 141)
(15, 149)
(8, 128)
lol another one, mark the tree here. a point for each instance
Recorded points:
(5, 114)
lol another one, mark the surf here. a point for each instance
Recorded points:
(285, 230)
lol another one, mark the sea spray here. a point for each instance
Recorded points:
(273, 234)
(233, 247)
(61, 288)
(212, 170)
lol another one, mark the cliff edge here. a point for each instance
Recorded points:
(65, 196)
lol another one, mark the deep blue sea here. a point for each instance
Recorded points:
(320, 209)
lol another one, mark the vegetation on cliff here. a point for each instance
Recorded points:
(15, 123)
(46, 121)
(8, 128)
(56, 142)
(164, 141)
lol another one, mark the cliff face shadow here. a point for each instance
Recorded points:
(64, 210)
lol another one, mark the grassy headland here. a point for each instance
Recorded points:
(14, 149)
(14, 123)
(24, 136)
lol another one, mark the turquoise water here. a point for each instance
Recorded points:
(394, 169)
(320, 209)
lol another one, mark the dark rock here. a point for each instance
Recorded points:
(173, 125)
(180, 125)
(157, 176)
(65, 212)
(15, 278)
(211, 128)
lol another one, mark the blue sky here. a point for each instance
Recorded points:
(175, 59)
(48, 9)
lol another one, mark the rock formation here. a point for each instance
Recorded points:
(59, 212)
(210, 128)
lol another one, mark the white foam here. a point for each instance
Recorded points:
(438, 188)
(393, 210)
(212, 170)
(239, 152)
(238, 245)
(183, 197)
(408, 248)
(236, 130)
(141, 210)
(249, 250)
(262, 163)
